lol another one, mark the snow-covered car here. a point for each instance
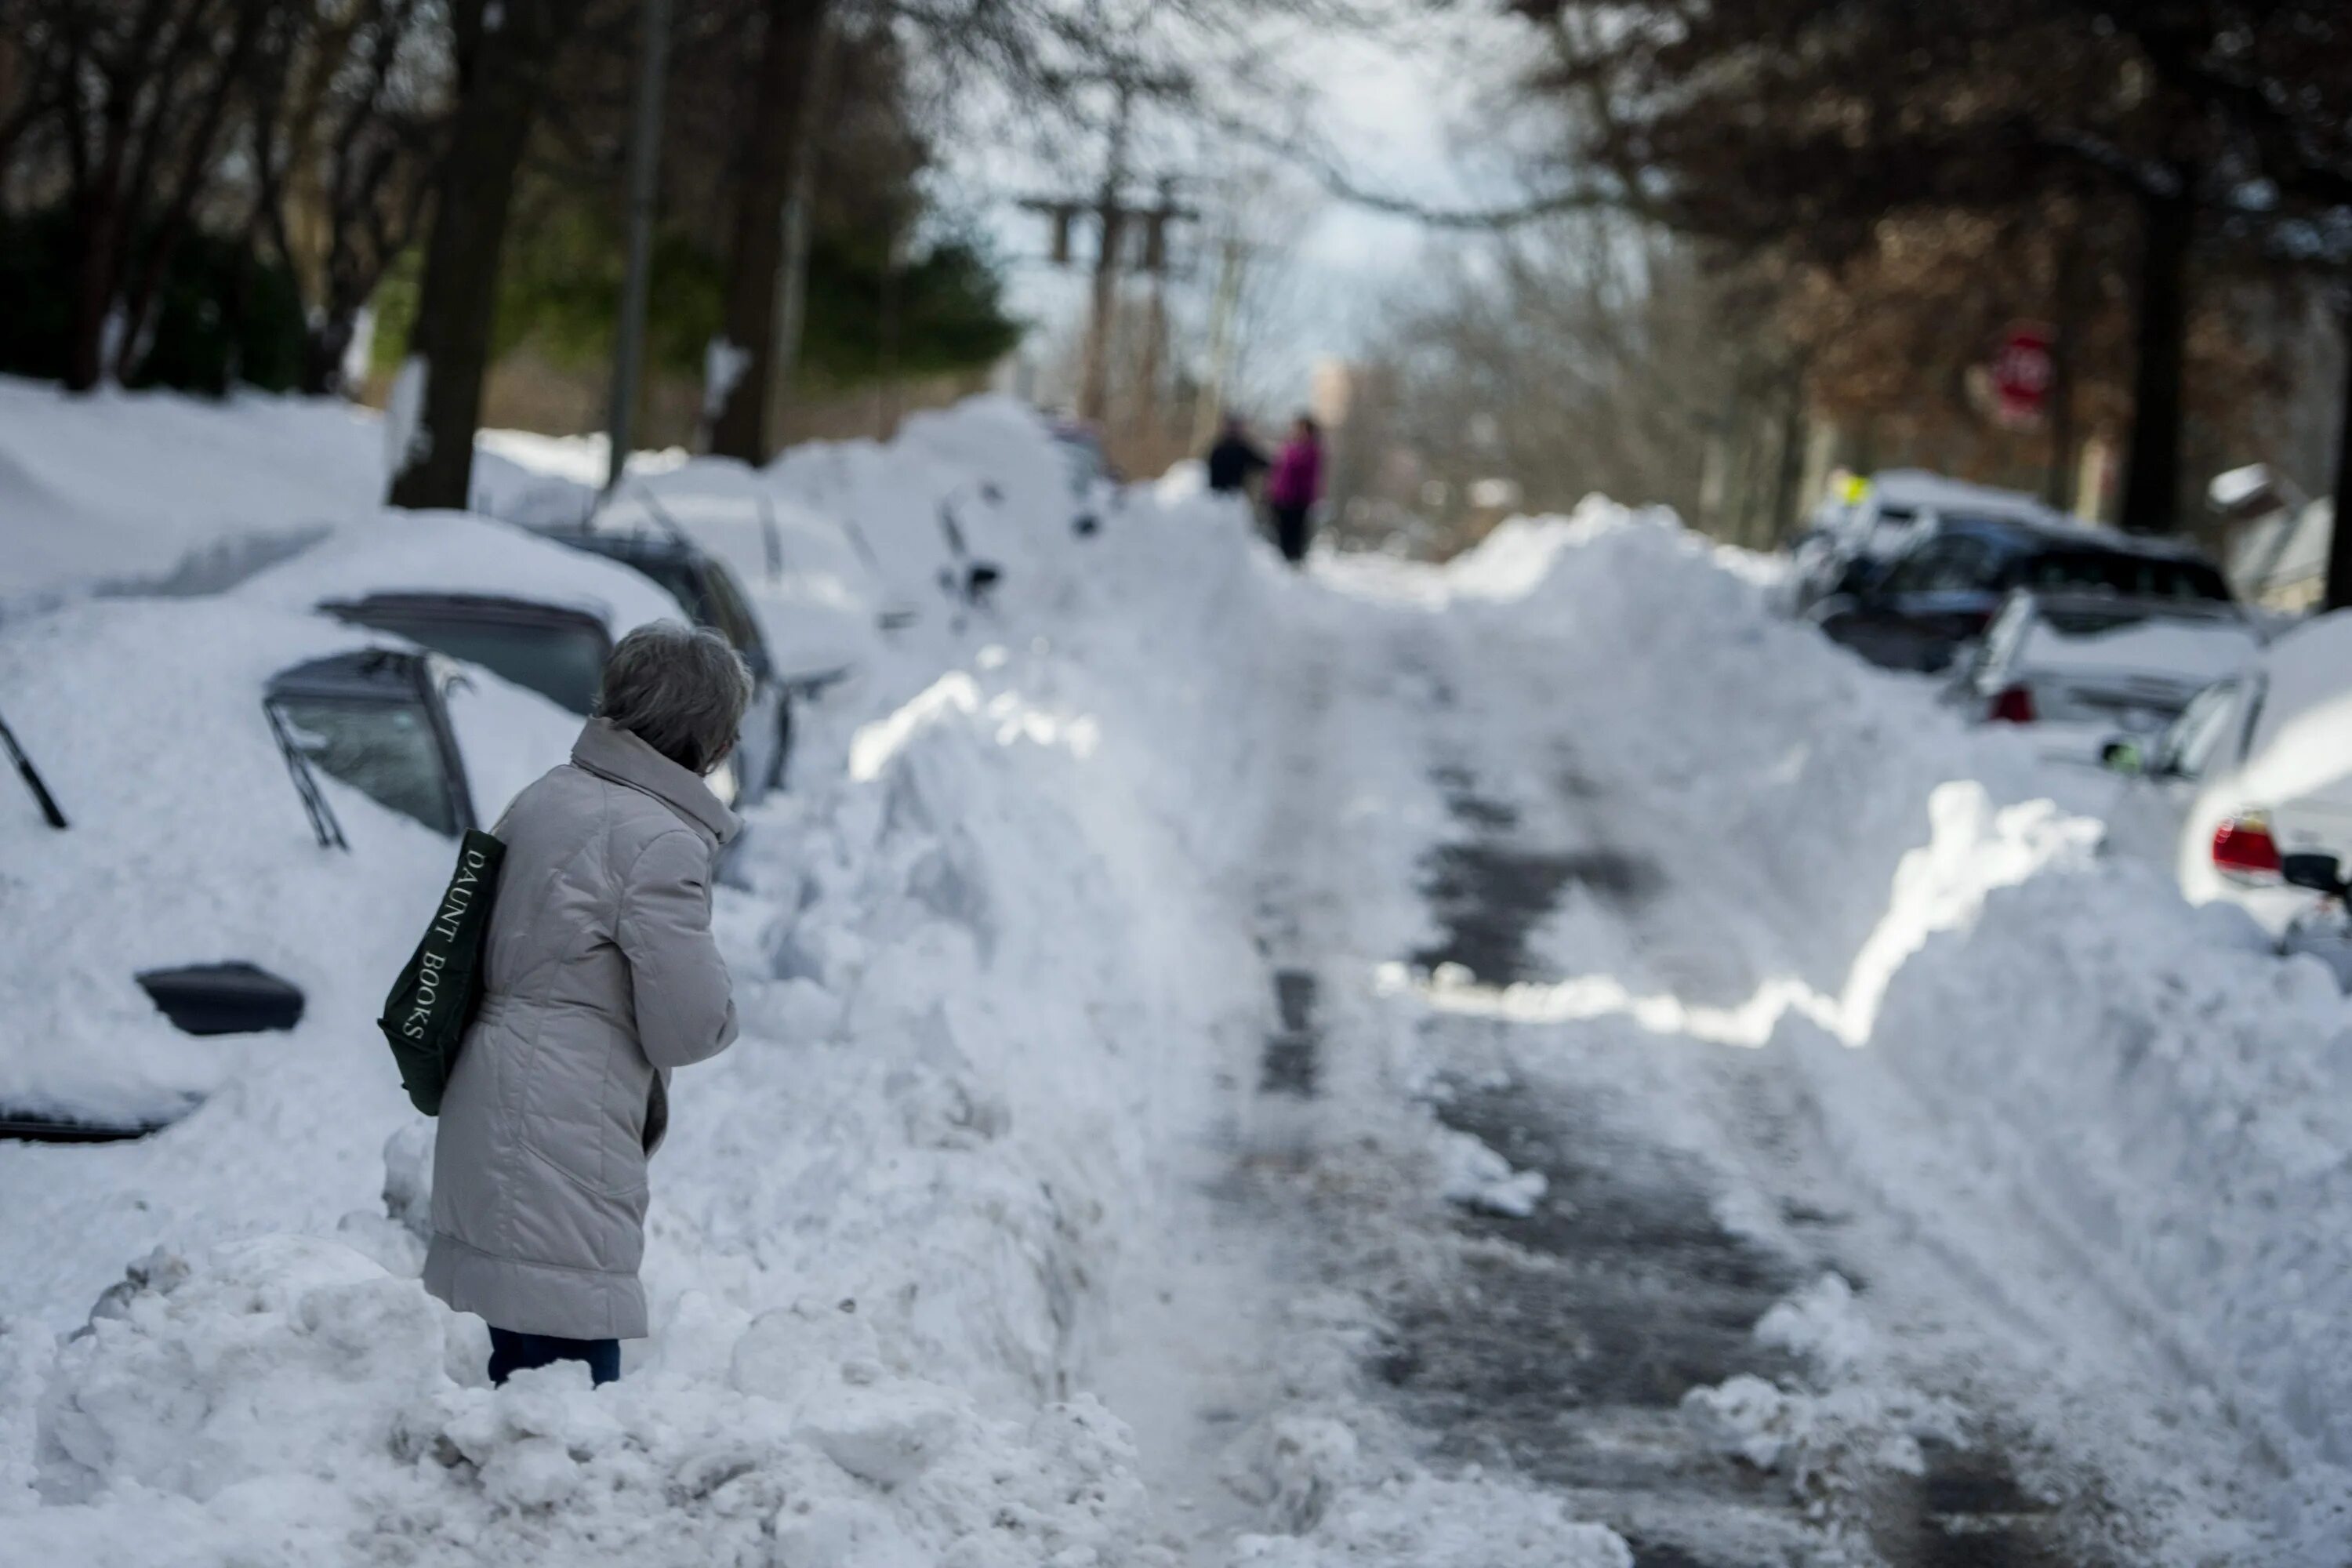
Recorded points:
(477, 589)
(2085, 668)
(258, 807)
(707, 587)
(1850, 542)
(1938, 596)
(1094, 479)
(2258, 768)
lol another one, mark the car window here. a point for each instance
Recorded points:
(1943, 566)
(733, 612)
(2119, 572)
(385, 750)
(561, 660)
(2190, 745)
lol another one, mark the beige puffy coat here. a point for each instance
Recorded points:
(601, 976)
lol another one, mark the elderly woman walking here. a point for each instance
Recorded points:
(601, 975)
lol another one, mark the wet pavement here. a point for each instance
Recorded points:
(1562, 1345)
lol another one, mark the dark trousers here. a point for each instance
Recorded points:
(512, 1353)
(1290, 533)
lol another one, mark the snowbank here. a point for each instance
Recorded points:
(1947, 952)
(292, 1402)
(137, 488)
(976, 969)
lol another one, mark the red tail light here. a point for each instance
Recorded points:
(2014, 705)
(2243, 849)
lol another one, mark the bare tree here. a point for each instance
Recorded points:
(505, 53)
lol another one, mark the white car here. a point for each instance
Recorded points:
(2258, 768)
(2086, 668)
(258, 809)
(479, 590)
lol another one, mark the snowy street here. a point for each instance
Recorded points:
(1539, 1060)
(1669, 1191)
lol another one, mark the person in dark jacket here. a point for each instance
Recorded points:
(1233, 461)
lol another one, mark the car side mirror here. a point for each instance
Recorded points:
(2124, 757)
(2320, 873)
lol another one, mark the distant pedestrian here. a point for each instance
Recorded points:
(1234, 460)
(600, 977)
(1295, 485)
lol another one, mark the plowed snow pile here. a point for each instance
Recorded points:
(1985, 1000)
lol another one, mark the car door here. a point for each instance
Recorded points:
(1907, 620)
(1947, 600)
(2151, 809)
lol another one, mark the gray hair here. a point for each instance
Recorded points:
(680, 690)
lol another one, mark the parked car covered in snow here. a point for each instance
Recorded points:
(2257, 769)
(489, 593)
(258, 805)
(1940, 592)
(707, 587)
(2087, 667)
(1851, 542)
(1094, 480)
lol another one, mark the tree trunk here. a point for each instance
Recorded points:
(2152, 467)
(502, 72)
(739, 426)
(2339, 550)
(98, 254)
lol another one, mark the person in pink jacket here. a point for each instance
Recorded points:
(1295, 485)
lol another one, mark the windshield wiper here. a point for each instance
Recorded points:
(329, 832)
(32, 777)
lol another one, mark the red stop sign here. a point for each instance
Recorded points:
(2021, 372)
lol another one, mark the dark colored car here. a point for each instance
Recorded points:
(707, 586)
(1935, 598)
(555, 651)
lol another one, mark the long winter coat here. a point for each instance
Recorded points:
(601, 976)
(1298, 477)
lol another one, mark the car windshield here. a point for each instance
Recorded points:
(2119, 572)
(734, 612)
(562, 661)
(384, 748)
(710, 595)
(684, 584)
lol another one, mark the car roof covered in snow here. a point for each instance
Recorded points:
(460, 552)
(2190, 641)
(1919, 488)
(188, 843)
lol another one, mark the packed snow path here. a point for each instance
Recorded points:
(1581, 1320)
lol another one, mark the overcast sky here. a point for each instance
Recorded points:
(1408, 111)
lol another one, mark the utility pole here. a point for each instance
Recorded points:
(1112, 217)
(1210, 403)
(1094, 384)
(645, 173)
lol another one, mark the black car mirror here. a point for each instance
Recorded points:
(2123, 757)
(978, 580)
(223, 998)
(2320, 873)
